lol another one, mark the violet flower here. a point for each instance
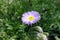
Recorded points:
(30, 17)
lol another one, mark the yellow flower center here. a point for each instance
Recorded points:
(30, 18)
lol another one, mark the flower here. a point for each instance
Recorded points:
(45, 37)
(41, 36)
(30, 17)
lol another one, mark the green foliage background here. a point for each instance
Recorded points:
(12, 28)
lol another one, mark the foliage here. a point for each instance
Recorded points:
(12, 28)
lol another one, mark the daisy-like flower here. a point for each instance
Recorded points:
(30, 17)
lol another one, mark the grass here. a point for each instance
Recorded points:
(12, 28)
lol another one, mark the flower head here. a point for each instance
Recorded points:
(30, 17)
(45, 37)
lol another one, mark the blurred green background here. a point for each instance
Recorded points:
(12, 28)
